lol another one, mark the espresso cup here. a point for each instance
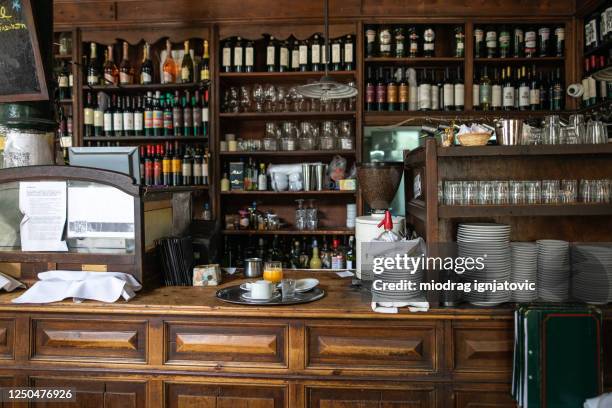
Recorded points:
(261, 290)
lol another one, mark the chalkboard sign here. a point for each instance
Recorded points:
(21, 68)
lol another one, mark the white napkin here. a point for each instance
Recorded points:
(603, 401)
(9, 284)
(393, 307)
(55, 286)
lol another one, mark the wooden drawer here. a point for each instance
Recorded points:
(371, 397)
(410, 347)
(90, 340)
(485, 347)
(228, 344)
(220, 395)
(7, 339)
(482, 395)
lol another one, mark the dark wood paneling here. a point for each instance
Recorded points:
(482, 396)
(186, 395)
(79, 12)
(7, 338)
(370, 398)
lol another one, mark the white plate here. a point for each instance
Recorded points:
(304, 285)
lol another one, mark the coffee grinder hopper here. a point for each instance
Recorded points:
(378, 183)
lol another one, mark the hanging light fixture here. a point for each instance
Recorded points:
(327, 88)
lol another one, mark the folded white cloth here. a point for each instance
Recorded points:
(393, 307)
(9, 284)
(55, 286)
(603, 401)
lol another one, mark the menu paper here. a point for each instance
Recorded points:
(43, 204)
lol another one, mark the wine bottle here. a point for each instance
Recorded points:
(370, 92)
(249, 56)
(238, 55)
(349, 53)
(126, 72)
(413, 42)
(226, 56)
(336, 55)
(435, 92)
(544, 41)
(283, 65)
(496, 91)
(205, 64)
(139, 118)
(391, 92)
(271, 54)
(370, 41)
(485, 90)
(381, 92)
(315, 53)
(146, 68)
(93, 74)
(303, 50)
(524, 91)
(429, 37)
(403, 91)
(196, 108)
(186, 65)
(169, 68)
(111, 73)
(459, 91)
(128, 117)
(478, 42)
(295, 56)
(117, 117)
(187, 114)
(424, 92)
(504, 42)
(98, 118)
(158, 115)
(400, 38)
(148, 115)
(518, 42)
(177, 115)
(168, 120)
(384, 41)
(63, 82)
(534, 91)
(448, 92)
(508, 91)
(88, 116)
(491, 40)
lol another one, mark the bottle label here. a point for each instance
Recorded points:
(424, 96)
(204, 115)
(128, 120)
(92, 80)
(403, 93)
(70, 80)
(349, 264)
(335, 53)
(508, 96)
(435, 97)
(504, 40)
(459, 94)
(168, 78)
(348, 53)
(204, 74)
(316, 53)
(227, 57)
(168, 121)
(448, 92)
(205, 170)
(166, 166)
(158, 119)
(560, 34)
(177, 117)
(303, 55)
(392, 93)
(590, 33)
(238, 56)
(148, 119)
(370, 94)
(249, 56)
(385, 41)
(108, 122)
(544, 33)
(117, 121)
(476, 94)
(429, 35)
(187, 117)
(370, 36)
(270, 57)
(478, 35)
(185, 74)
(110, 79)
(295, 59)
(98, 118)
(284, 57)
(534, 96)
(138, 122)
(381, 93)
(63, 81)
(496, 96)
(414, 46)
(197, 117)
(337, 262)
(186, 169)
(491, 39)
(88, 116)
(485, 94)
(125, 78)
(177, 165)
(524, 96)
(145, 78)
(530, 41)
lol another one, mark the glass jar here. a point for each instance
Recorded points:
(328, 135)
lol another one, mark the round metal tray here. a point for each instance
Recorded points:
(232, 295)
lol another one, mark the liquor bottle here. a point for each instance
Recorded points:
(544, 92)
(249, 56)
(518, 42)
(544, 41)
(177, 115)
(459, 42)
(117, 117)
(158, 115)
(284, 57)
(295, 55)
(169, 68)
(448, 92)
(146, 68)
(435, 92)
(336, 55)
(508, 91)
(381, 92)
(158, 179)
(337, 258)
(384, 41)
(326, 256)
(108, 119)
(459, 91)
(238, 55)
(370, 40)
(187, 114)
(303, 51)
(139, 118)
(534, 91)
(88, 116)
(196, 109)
(370, 91)
(167, 166)
(504, 42)
(496, 91)
(128, 117)
(93, 74)
(126, 71)
(391, 92)
(429, 37)
(205, 120)
(475, 91)
(271, 54)
(530, 42)
(315, 260)
(560, 41)
(524, 91)
(186, 65)
(205, 64)
(63, 82)
(148, 114)
(424, 92)
(403, 91)
(168, 120)
(557, 92)
(479, 44)
(262, 179)
(315, 53)
(177, 166)
(413, 42)
(111, 73)
(491, 40)
(148, 166)
(187, 169)
(226, 56)
(349, 53)
(350, 253)
(197, 167)
(485, 90)
(98, 118)
(400, 38)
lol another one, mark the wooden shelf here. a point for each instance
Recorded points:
(538, 150)
(284, 76)
(374, 118)
(292, 153)
(65, 101)
(415, 60)
(62, 57)
(511, 60)
(523, 210)
(150, 139)
(137, 87)
(286, 115)
(172, 189)
(323, 231)
(289, 193)
(601, 48)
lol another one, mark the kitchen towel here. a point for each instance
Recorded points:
(55, 286)
(603, 401)
(9, 284)
(393, 307)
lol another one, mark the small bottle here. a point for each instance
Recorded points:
(544, 41)
(400, 38)
(146, 68)
(93, 74)
(206, 213)
(205, 64)
(370, 40)
(350, 253)
(479, 45)
(459, 42)
(337, 255)
(315, 260)
(384, 41)
(249, 56)
(262, 179)
(491, 40)
(504, 42)
(429, 37)
(518, 43)
(225, 183)
(413, 42)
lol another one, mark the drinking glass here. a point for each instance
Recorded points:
(551, 134)
(271, 97)
(245, 99)
(312, 220)
(533, 189)
(282, 100)
(233, 99)
(569, 191)
(569, 135)
(550, 191)
(596, 132)
(602, 191)
(470, 192)
(453, 192)
(485, 191)
(288, 288)
(270, 142)
(586, 191)
(500, 192)
(440, 192)
(273, 272)
(259, 97)
(577, 122)
(517, 192)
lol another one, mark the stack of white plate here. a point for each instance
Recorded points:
(402, 276)
(553, 270)
(592, 273)
(491, 243)
(524, 268)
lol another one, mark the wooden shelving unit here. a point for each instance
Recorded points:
(327, 231)
(287, 115)
(523, 210)
(151, 139)
(144, 88)
(288, 193)
(289, 153)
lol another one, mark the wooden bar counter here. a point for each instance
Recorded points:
(181, 347)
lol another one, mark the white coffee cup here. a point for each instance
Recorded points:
(280, 181)
(261, 289)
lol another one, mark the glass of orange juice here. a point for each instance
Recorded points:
(273, 272)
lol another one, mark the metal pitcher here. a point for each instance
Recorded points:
(509, 132)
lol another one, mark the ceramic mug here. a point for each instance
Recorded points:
(261, 290)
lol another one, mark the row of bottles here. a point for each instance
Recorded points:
(519, 89)
(65, 81)
(598, 28)
(407, 41)
(295, 253)
(239, 55)
(148, 115)
(185, 70)
(174, 165)
(518, 42)
(595, 91)
(391, 89)
(246, 176)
